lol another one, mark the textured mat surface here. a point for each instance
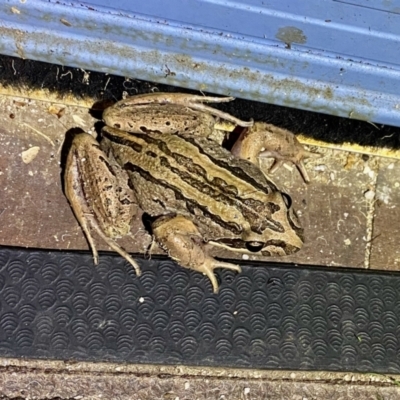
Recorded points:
(58, 305)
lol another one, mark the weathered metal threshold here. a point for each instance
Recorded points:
(315, 56)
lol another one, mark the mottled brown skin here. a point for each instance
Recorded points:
(197, 192)
(148, 102)
(96, 203)
(228, 198)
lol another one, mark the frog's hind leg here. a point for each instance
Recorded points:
(196, 102)
(192, 101)
(181, 239)
(85, 197)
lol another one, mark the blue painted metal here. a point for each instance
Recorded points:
(329, 56)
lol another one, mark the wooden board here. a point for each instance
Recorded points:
(340, 210)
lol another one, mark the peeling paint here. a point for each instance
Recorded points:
(214, 62)
(291, 34)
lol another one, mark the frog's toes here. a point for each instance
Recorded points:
(290, 150)
(299, 163)
(180, 237)
(114, 246)
(199, 106)
(297, 159)
(266, 140)
(208, 266)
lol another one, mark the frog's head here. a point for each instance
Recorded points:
(276, 231)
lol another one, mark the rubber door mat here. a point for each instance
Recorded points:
(57, 305)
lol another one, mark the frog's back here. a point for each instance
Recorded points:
(195, 177)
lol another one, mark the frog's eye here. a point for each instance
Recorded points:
(287, 199)
(254, 246)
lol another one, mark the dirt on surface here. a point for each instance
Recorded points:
(349, 211)
(345, 210)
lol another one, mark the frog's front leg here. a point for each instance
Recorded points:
(266, 140)
(179, 237)
(97, 189)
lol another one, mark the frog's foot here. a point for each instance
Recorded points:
(266, 140)
(297, 160)
(208, 266)
(87, 222)
(111, 242)
(181, 239)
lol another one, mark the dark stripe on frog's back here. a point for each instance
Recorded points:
(190, 205)
(241, 170)
(200, 185)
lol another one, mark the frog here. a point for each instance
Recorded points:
(159, 153)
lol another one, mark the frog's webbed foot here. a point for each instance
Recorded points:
(181, 239)
(92, 199)
(266, 140)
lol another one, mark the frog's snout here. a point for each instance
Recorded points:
(255, 246)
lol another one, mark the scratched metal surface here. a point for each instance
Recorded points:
(313, 55)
